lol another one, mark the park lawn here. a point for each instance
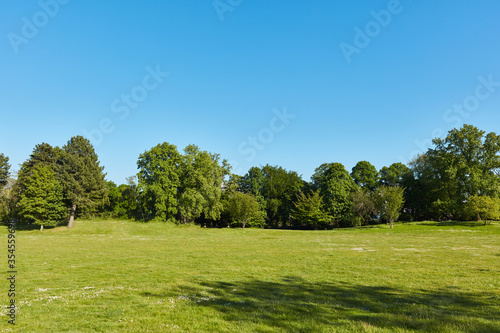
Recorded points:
(120, 276)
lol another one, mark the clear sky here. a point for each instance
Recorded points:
(290, 83)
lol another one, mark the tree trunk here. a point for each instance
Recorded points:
(41, 227)
(390, 221)
(72, 216)
(244, 222)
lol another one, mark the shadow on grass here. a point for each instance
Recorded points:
(471, 224)
(297, 305)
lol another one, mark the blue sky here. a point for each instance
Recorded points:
(351, 80)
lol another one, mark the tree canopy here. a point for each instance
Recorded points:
(42, 200)
(81, 176)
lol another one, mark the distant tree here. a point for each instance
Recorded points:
(335, 185)
(310, 211)
(365, 175)
(483, 207)
(362, 206)
(182, 186)
(276, 190)
(394, 175)
(463, 164)
(201, 177)
(81, 176)
(159, 180)
(253, 183)
(42, 200)
(389, 201)
(43, 154)
(467, 162)
(244, 209)
(4, 170)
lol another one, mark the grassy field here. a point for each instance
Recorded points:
(123, 276)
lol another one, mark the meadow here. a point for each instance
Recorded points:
(121, 276)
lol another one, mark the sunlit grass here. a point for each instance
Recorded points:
(132, 277)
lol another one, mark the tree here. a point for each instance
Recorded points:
(201, 176)
(276, 190)
(182, 186)
(389, 201)
(4, 181)
(394, 175)
(365, 175)
(483, 207)
(310, 211)
(159, 179)
(362, 205)
(4, 170)
(81, 176)
(335, 185)
(464, 163)
(244, 209)
(470, 161)
(42, 200)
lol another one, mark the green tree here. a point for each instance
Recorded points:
(42, 201)
(394, 175)
(4, 188)
(310, 211)
(470, 160)
(159, 180)
(276, 190)
(389, 201)
(363, 206)
(4, 170)
(244, 209)
(463, 164)
(201, 177)
(483, 207)
(81, 176)
(335, 186)
(365, 175)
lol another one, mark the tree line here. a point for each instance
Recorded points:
(457, 179)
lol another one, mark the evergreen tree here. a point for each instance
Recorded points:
(4, 170)
(42, 200)
(81, 176)
(309, 210)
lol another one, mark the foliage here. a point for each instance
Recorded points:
(244, 209)
(182, 186)
(389, 201)
(81, 176)
(310, 211)
(335, 185)
(394, 175)
(365, 175)
(463, 164)
(275, 188)
(42, 200)
(201, 176)
(363, 206)
(159, 178)
(483, 207)
(4, 170)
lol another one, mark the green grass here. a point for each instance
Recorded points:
(117, 276)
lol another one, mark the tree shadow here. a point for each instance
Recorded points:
(471, 224)
(294, 304)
